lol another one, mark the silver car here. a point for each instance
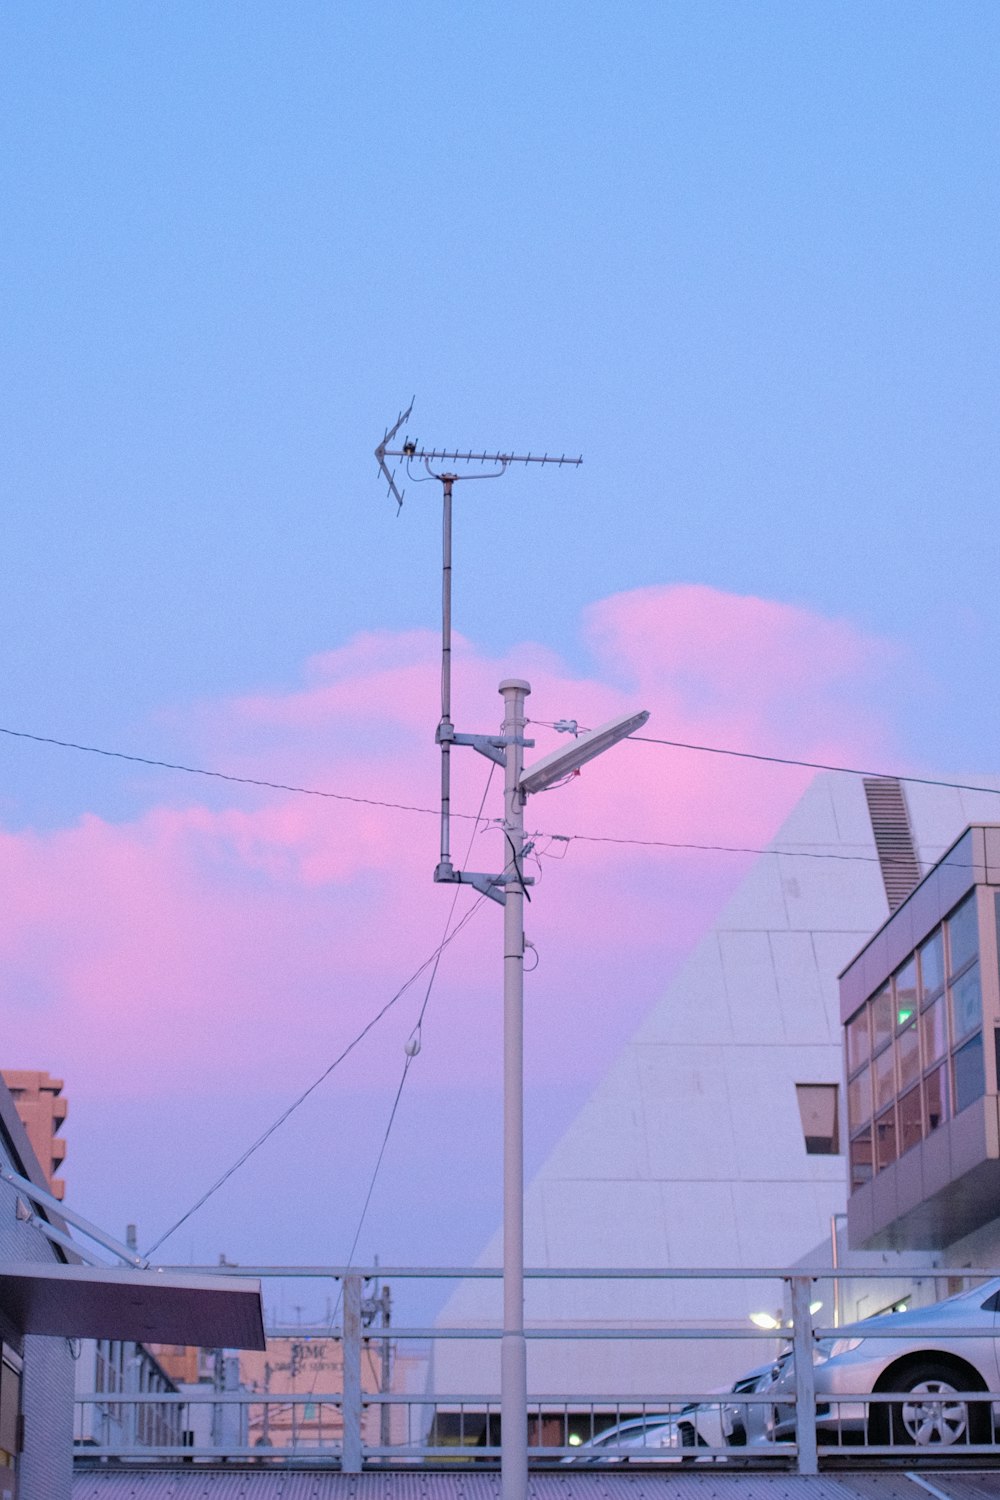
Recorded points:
(748, 1423)
(653, 1438)
(929, 1370)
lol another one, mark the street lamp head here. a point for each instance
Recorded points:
(563, 762)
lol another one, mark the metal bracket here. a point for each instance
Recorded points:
(487, 885)
(51, 1204)
(490, 745)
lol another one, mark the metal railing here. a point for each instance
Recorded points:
(780, 1423)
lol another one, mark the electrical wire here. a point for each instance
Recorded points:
(300, 1100)
(311, 791)
(414, 1034)
(274, 786)
(417, 1029)
(814, 765)
(596, 838)
(477, 819)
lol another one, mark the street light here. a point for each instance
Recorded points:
(552, 768)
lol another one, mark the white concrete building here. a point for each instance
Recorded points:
(693, 1151)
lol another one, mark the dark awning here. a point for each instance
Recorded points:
(147, 1306)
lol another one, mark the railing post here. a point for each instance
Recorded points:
(805, 1377)
(350, 1462)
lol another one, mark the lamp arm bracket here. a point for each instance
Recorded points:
(487, 885)
(490, 745)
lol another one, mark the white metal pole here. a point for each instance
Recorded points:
(513, 1357)
(446, 729)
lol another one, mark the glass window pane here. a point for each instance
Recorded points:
(906, 992)
(932, 965)
(963, 934)
(966, 1004)
(910, 1120)
(934, 1031)
(861, 1159)
(882, 1027)
(858, 1040)
(885, 1079)
(818, 1111)
(908, 1056)
(885, 1139)
(936, 1098)
(859, 1099)
(970, 1080)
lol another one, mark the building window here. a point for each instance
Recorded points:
(885, 1139)
(970, 1081)
(963, 935)
(861, 1159)
(910, 1120)
(931, 966)
(915, 1048)
(966, 1003)
(936, 1098)
(819, 1114)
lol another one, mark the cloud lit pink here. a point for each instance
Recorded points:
(253, 932)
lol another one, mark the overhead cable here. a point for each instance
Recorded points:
(814, 765)
(415, 1034)
(301, 1099)
(591, 838)
(171, 765)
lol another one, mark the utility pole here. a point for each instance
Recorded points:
(509, 889)
(380, 1306)
(513, 1351)
(266, 1425)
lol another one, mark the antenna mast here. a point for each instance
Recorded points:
(492, 746)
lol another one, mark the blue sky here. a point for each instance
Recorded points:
(743, 257)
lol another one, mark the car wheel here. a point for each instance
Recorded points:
(931, 1417)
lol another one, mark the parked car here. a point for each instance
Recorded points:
(749, 1423)
(659, 1437)
(929, 1371)
(652, 1438)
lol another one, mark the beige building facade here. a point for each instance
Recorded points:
(38, 1099)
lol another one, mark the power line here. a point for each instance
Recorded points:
(814, 765)
(307, 791)
(290, 1110)
(171, 765)
(311, 791)
(410, 1054)
(597, 838)
(416, 1032)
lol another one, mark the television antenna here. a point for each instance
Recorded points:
(456, 469)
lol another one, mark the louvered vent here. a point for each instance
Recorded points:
(893, 837)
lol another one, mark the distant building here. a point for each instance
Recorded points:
(38, 1099)
(717, 1136)
(36, 1374)
(111, 1369)
(182, 1362)
(57, 1313)
(307, 1366)
(921, 1010)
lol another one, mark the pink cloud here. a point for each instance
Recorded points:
(245, 935)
